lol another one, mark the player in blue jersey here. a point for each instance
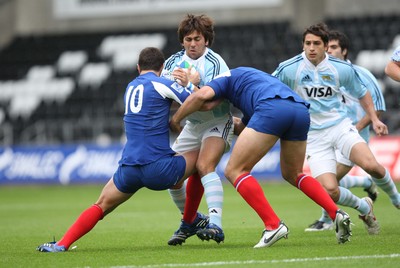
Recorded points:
(207, 134)
(318, 78)
(147, 159)
(338, 47)
(271, 112)
(392, 69)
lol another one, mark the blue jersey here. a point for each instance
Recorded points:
(245, 87)
(396, 54)
(354, 109)
(209, 65)
(147, 106)
(320, 86)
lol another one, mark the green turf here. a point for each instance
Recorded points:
(136, 233)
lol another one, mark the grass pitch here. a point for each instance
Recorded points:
(136, 233)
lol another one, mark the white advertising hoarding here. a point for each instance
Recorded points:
(63, 9)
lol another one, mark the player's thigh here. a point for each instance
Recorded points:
(292, 159)
(362, 155)
(249, 148)
(111, 197)
(210, 154)
(191, 158)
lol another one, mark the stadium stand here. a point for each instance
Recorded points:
(69, 88)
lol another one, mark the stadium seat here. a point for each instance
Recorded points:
(40, 73)
(94, 74)
(72, 71)
(70, 62)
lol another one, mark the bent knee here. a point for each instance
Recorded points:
(205, 168)
(334, 193)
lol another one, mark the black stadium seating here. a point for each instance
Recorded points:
(91, 111)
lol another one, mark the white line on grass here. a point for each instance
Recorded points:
(204, 264)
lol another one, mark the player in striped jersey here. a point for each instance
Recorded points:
(338, 47)
(392, 68)
(206, 134)
(147, 159)
(318, 78)
(271, 112)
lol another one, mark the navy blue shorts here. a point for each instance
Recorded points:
(159, 175)
(284, 118)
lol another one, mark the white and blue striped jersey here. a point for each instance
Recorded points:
(148, 99)
(320, 86)
(396, 54)
(209, 65)
(354, 109)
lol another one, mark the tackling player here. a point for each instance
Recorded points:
(271, 112)
(147, 159)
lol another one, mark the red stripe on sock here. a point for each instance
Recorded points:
(239, 179)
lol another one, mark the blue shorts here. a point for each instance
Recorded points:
(284, 118)
(159, 175)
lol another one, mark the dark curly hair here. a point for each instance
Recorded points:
(202, 23)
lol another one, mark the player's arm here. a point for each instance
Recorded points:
(209, 105)
(379, 127)
(192, 104)
(392, 70)
(366, 120)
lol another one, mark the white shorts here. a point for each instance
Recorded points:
(340, 158)
(321, 146)
(193, 135)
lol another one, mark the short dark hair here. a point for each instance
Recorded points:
(202, 23)
(319, 29)
(343, 41)
(151, 58)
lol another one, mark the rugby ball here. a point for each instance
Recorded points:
(186, 65)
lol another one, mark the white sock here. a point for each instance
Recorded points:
(348, 199)
(350, 181)
(179, 196)
(214, 194)
(387, 185)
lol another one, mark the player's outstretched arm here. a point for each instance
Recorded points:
(192, 104)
